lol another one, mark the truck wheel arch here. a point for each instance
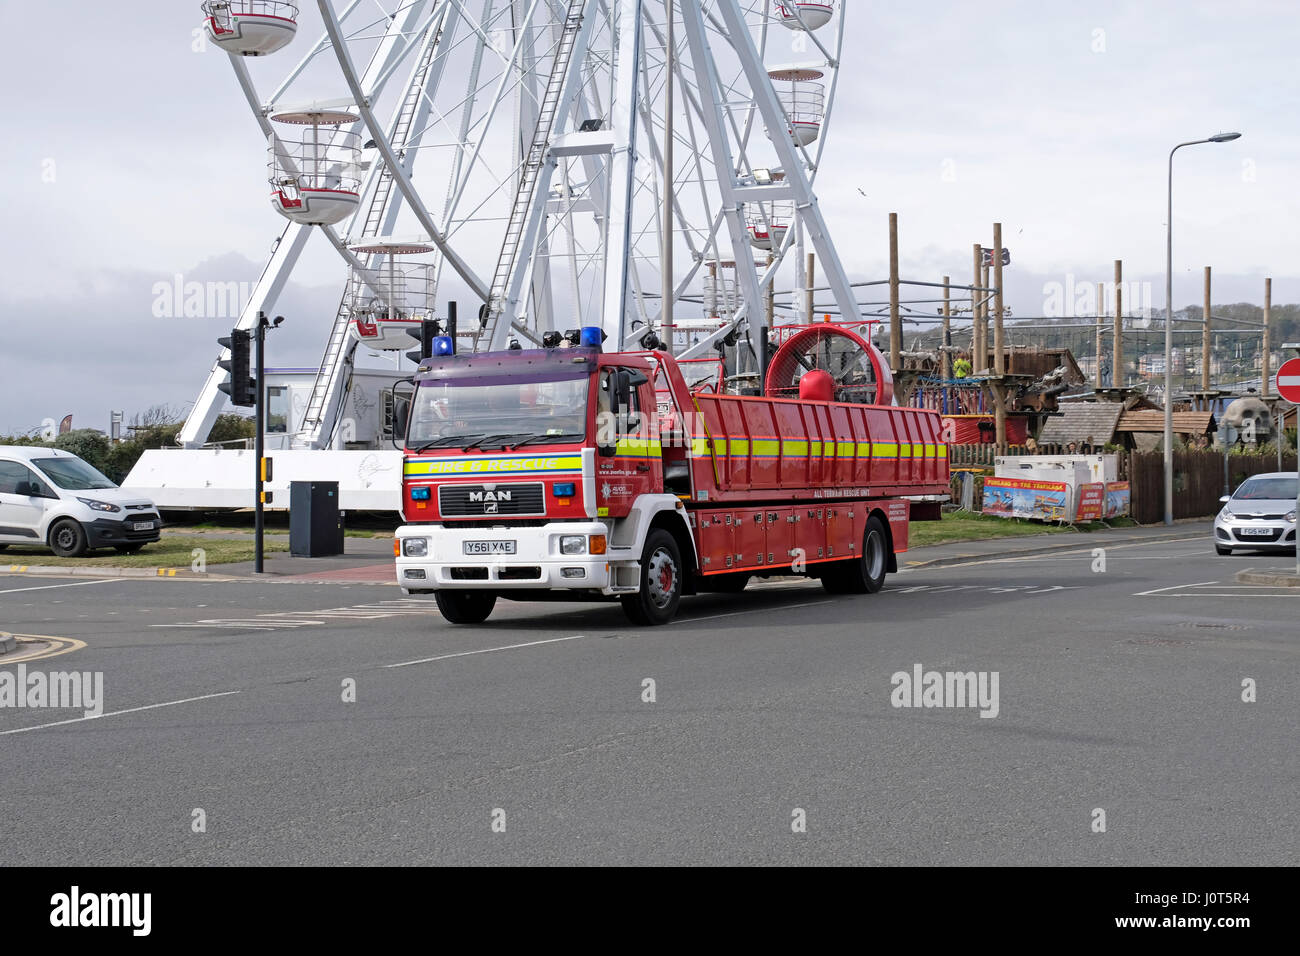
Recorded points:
(660, 511)
(891, 560)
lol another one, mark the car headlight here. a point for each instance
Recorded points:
(573, 544)
(94, 505)
(1290, 515)
(415, 547)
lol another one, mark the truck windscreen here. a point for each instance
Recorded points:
(451, 413)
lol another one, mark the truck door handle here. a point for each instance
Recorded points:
(642, 467)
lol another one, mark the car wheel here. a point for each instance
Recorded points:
(1221, 550)
(661, 582)
(127, 548)
(465, 607)
(68, 539)
(864, 574)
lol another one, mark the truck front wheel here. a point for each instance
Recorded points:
(465, 607)
(864, 574)
(661, 582)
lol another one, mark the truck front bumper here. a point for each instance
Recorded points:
(537, 563)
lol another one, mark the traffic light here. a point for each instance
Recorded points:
(241, 388)
(425, 333)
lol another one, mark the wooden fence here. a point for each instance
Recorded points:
(1198, 480)
(979, 455)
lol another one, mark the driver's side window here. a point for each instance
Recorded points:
(15, 474)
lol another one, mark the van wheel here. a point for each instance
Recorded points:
(465, 607)
(3, 547)
(865, 574)
(661, 582)
(68, 539)
(127, 548)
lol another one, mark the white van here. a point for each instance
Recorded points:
(53, 498)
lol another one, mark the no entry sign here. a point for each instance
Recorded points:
(1288, 380)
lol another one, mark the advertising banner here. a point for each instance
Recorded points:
(1025, 498)
(1092, 502)
(1118, 499)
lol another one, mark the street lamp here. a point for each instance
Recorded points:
(1169, 323)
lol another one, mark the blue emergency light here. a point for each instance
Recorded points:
(592, 336)
(420, 494)
(444, 345)
(564, 489)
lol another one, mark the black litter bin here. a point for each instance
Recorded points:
(315, 527)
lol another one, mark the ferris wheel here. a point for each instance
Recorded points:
(522, 157)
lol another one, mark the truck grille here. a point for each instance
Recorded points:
(477, 501)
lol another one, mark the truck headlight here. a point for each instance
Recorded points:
(415, 547)
(573, 544)
(94, 505)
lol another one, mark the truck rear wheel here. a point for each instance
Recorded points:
(661, 582)
(864, 574)
(465, 607)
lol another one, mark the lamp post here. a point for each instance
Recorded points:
(1169, 323)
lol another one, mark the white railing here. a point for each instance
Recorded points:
(803, 102)
(323, 158)
(223, 10)
(397, 290)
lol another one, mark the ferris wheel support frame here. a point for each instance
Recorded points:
(399, 174)
(285, 254)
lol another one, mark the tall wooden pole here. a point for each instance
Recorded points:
(983, 363)
(895, 321)
(1205, 337)
(1264, 367)
(1117, 347)
(1101, 314)
(975, 309)
(945, 357)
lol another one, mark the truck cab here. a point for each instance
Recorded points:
(534, 473)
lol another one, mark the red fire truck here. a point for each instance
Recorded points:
(570, 473)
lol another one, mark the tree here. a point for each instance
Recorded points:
(87, 444)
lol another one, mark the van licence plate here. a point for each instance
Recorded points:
(489, 547)
(142, 526)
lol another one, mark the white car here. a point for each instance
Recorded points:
(1259, 514)
(53, 498)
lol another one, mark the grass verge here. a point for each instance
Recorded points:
(173, 551)
(957, 526)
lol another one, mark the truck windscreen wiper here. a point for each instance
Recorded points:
(446, 440)
(538, 439)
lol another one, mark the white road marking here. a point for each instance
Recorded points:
(117, 713)
(486, 650)
(1174, 587)
(74, 584)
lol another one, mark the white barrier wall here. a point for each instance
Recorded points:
(200, 478)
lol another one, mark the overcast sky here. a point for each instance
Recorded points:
(131, 158)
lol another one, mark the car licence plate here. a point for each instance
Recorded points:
(142, 526)
(1255, 532)
(489, 547)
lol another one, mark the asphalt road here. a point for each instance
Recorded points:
(1118, 690)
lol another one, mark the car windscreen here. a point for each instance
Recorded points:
(445, 412)
(1259, 489)
(72, 474)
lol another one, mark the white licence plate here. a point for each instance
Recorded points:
(489, 547)
(142, 526)
(1255, 532)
